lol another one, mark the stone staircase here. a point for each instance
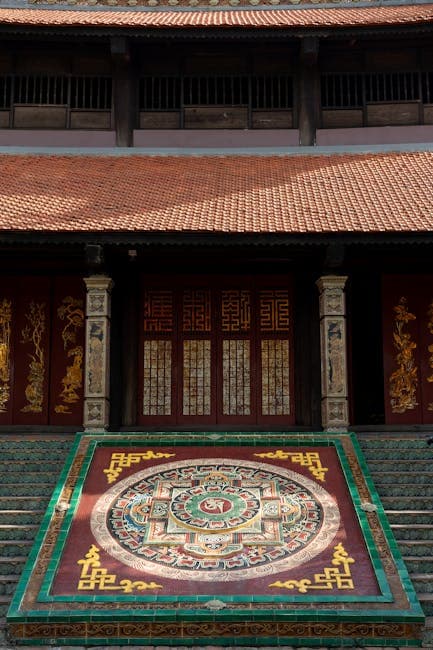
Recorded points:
(402, 469)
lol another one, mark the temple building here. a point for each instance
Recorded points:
(216, 323)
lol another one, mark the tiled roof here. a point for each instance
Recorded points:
(273, 18)
(387, 192)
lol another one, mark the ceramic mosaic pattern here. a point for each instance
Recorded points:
(229, 539)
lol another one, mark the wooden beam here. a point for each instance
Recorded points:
(309, 91)
(123, 91)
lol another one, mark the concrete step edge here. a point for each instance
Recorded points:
(416, 542)
(21, 512)
(18, 526)
(389, 512)
(411, 526)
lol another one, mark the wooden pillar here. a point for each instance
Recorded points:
(333, 347)
(309, 91)
(97, 365)
(123, 92)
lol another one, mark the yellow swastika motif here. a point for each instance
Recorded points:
(338, 576)
(120, 460)
(310, 459)
(93, 577)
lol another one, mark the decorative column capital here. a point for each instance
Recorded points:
(331, 299)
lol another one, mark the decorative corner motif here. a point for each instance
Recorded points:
(95, 412)
(335, 412)
(119, 461)
(332, 577)
(96, 303)
(309, 459)
(93, 577)
(403, 382)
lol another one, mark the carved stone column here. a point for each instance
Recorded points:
(97, 368)
(335, 412)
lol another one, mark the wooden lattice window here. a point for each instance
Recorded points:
(219, 352)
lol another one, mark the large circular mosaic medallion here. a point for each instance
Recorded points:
(235, 519)
(208, 507)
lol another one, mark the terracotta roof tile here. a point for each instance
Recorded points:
(273, 18)
(386, 192)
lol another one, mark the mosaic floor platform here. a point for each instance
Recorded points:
(228, 539)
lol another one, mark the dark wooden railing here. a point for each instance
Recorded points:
(376, 98)
(55, 101)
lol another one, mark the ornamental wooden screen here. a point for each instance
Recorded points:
(41, 351)
(216, 351)
(408, 349)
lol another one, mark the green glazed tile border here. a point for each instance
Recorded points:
(415, 613)
(262, 441)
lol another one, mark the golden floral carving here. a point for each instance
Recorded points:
(5, 351)
(94, 577)
(119, 461)
(309, 459)
(430, 349)
(340, 578)
(403, 382)
(72, 312)
(33, 333)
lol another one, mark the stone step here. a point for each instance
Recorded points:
(413, 532)
(12, 565)
(34, 478)
(381, 443)
(416, 548)
(20, 516)
(17, 467)
(426, 601)
(18, 531)
(27, 489)
(423, 583)
(419, 564)
(403, 502)
(396, 490)
(409, 517)
(398, 478)
(8, 584)
(400, 465)
(36, 503)
(14, 548)
(399, 455)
